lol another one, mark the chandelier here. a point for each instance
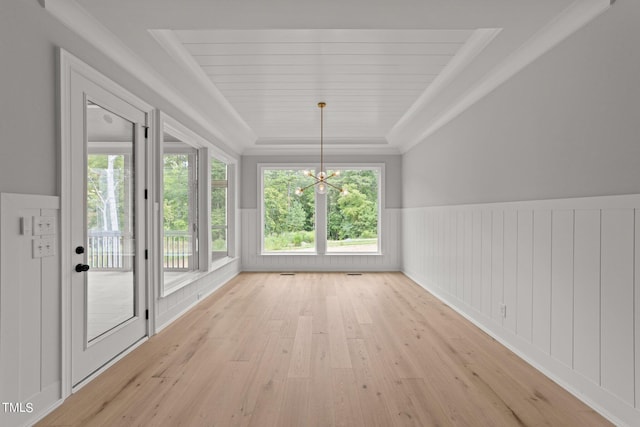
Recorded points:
(321, 182)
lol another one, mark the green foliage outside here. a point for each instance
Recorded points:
(176, 192)
(289, 220)
(290, 241)
(107, 185)
(218, 206)
(355, 215)
(176, 198)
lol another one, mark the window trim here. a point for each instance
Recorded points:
(194, 195)
(169, 125)
(206, 151)
(232, 208)
(321, 207)
(381, 203)
(229, 210)
(282, 166)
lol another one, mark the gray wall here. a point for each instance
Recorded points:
(568, 125)
(249, 174)
(29, 36)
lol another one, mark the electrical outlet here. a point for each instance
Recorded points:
(49, 244)
(44, 247)
(37, 248)
(44, 225)
(503, 310)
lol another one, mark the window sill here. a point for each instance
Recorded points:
(180, 282)
(218, 264)
(190, 277)
(332, 253)
(289, 253)
(317, 254)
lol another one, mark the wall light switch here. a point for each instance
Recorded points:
(25, 225)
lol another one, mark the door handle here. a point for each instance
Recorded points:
(82, 267)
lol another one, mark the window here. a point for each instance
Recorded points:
(110, 210)
(219, 210)
(197, 213)
(348, 223)
(180, 209)
(353, 219)
(288, 219)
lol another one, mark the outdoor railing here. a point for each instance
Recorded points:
(177, 250)
(109, 250)
(113, 250)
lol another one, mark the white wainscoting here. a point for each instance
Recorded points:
(30, 366)
(176, 304)
(568, 272)
(389, 260)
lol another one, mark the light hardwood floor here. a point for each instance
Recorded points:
(322, 349)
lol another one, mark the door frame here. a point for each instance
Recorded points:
(68, 66)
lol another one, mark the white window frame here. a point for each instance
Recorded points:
(282, 166)
(231, 203)
(360, 166)
(194, 197)
(167, 124)
(206, 151)
(321, 207)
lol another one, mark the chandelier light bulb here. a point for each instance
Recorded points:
(306, 173)
(299, 191)
(344, 192)
(321, 188)
(322, 176)
(336, 173)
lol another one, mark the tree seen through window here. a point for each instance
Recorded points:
(289, 219)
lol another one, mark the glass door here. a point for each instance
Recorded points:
(108, 281)
(110, 221)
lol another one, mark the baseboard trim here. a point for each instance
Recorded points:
(182, 312)
(540, 365)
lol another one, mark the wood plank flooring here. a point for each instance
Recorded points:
(322, 349)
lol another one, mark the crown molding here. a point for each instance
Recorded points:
(306, 150)
(170, 42)
(478, 41)
(85, 25)
(314, 142)
(575, 16)
(310, 146)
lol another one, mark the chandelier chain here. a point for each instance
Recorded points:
(321, 178)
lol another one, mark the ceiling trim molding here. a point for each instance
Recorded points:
(85, 25)
(478, 41)
(330, 141)
(187, 136)
(170, 42)
(343, 150)
(575, 16)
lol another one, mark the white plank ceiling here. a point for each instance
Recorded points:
(368, 78)
(250, 73)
